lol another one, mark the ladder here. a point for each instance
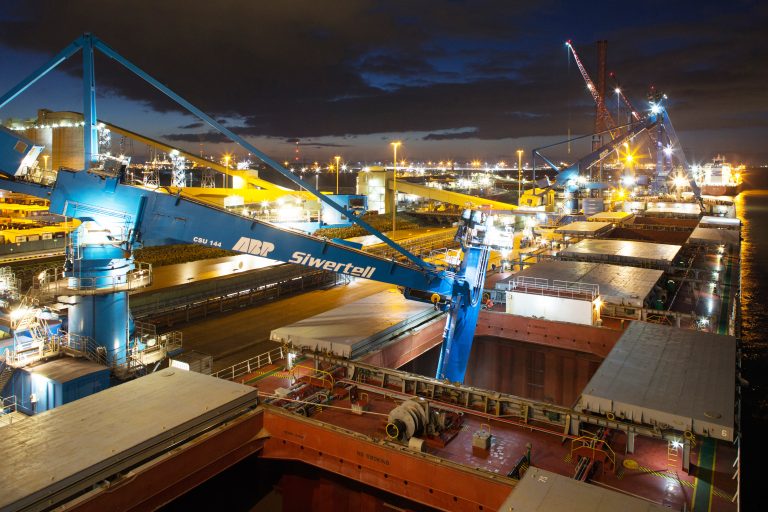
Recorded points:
(673, 456)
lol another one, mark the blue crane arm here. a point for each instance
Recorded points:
(572, 172)
(546, 160)
(88, 43)
(129, 216)
(39, 73)
(103, 47)
(154, 218)
(678, 151)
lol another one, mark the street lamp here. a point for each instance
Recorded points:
(337, 158)
(618, 105)
(394, 195)
(226, 165)
(520, 175)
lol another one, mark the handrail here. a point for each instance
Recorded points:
(54, 281)
(8, 406)
(542, 286)
(84, 346)
(591, 443)
(250, 365)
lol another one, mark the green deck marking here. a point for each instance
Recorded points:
(722, 327)
(269, 373)
(276, 370)
(702, 490)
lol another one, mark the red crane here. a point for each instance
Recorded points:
(604, 120)
(618, 90)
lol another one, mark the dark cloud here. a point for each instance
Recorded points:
(469, 134)
(326, 145)
(191, 126)
(303, 69)
(211, 137)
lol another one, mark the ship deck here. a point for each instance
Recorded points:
(651, 472)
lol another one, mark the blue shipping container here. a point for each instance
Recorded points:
(43, 387)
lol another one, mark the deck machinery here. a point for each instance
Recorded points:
(118, 217)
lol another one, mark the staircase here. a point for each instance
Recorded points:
(6, 372)
(589, 450)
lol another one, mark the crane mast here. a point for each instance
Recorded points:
(604, 118)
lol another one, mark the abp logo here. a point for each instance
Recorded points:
(253, 246)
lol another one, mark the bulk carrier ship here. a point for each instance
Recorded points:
(602, 375)
(718, 178)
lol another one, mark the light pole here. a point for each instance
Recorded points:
(629, 173)
(520, 175)
(226, 165)
(337, 158)
(618, 106)
(394, 192)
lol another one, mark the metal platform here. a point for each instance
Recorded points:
(64, 370)
(708, 221)
(543, 491)
(669, 377)
(353, 329)
(585, 229)
(615, 217)
(628, 286)
(684, 210)
(715, 236)
(623, 251)
(345, 434)
(57, 455)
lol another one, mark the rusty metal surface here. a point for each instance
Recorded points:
(529, 370)
(409, 346)
(418, 477)
(582, 338)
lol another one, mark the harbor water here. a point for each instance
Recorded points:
(752, 209)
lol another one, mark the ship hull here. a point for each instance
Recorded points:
(721, 190)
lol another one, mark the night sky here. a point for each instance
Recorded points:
(451, 79)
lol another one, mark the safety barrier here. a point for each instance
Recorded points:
(557, 288)
(54, 282)
(251, 365)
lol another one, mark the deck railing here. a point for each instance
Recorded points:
(53, 281)
(7, 408)
(251, 365)
(555, 287)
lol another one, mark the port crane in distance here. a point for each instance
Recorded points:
(602, 111)
(117, 217)
(570, 177)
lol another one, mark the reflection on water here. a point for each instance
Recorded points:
(752, 209)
